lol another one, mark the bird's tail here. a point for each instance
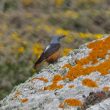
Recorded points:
(37, 63)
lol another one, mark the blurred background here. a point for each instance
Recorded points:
(26, 27)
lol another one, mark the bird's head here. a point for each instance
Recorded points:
(60, 37)
(56, 39)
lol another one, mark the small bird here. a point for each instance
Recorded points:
(52, 52)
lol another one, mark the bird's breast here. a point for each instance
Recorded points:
(54, 57)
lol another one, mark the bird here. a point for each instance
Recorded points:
(52, 52)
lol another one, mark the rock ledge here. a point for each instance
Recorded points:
(68, 83)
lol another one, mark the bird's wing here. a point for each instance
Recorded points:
(49, 50)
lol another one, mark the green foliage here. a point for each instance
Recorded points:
(12, 74)
(53, 20)
(10, 5)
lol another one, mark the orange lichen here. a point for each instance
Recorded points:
(57, 78)
(18, 93)
(106, 88)
(66, 51)
(54, 84)
(99, 50)
(24, 100)
(67, 66)
(89, 83)
(71, 86)
(73, 102)
(41, 78)
(104, 67)
(61, 105)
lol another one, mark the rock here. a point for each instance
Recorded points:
(83, 75)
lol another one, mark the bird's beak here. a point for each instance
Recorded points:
(62, 36)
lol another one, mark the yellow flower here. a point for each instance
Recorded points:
(37, 49)
(69, 39)
(83, 35)
(15, 36)
(20, 49)
(60, 31)
(47, 28)
(71, 14)
(66, 51)
(58, 3)
(98, 36)
(29, 28)
(27, 2)
(24, 42)
(1, 34)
